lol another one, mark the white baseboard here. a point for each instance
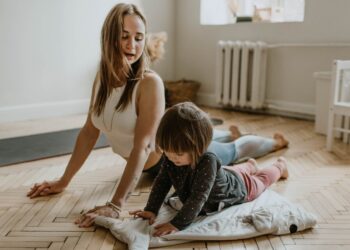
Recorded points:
(272, 105)
(294, 107)
(43, 110)
(56, 109)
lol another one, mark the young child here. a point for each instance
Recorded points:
(201, 183)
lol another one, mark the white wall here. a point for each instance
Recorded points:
(161, 17)
(291, 86)
(50, 52)
(289, 76)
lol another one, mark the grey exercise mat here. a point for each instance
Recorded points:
(34, 147)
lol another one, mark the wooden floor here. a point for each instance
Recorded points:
(319, 181)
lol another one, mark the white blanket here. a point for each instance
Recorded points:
(270, 213)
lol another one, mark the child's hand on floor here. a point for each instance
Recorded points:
(150, 216)
(164, 229)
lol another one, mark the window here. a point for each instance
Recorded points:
(217, 12)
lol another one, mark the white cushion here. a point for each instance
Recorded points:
(270, 213)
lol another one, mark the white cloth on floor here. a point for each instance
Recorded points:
(270, 213)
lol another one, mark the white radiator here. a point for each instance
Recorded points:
(241, 73)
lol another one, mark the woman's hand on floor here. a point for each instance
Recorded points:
(87, 219)
(150, 216)
(164, 229)
(46, 188)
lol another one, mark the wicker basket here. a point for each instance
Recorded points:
(180, 91)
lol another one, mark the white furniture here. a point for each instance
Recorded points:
(323, 97)
(322, 82)
(340, 101)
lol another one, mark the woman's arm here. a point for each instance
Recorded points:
(85, 142)
(150, 105)
(150, 109)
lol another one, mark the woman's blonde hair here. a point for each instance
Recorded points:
(114, 68)
(185, 128)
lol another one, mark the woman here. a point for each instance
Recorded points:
(126, 105)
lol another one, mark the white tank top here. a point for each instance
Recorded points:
(118, 126)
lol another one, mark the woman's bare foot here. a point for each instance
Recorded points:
(254, 165)
(281, 142)
(235, 133)
(281, 163)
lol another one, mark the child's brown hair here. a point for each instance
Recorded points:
(185, 128)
